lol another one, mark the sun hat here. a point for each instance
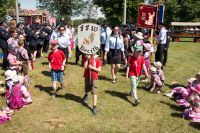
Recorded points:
(191, 79)
(54, 42)
(138, 48)
(8, 74)
(157, 64)
(139, 35)
(153, 69)
(12, 48)
(147, 46)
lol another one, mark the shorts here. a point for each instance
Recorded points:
(90, 86)
(57, 75)
(25, 68)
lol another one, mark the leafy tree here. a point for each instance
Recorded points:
(5, 6)
(62, 8)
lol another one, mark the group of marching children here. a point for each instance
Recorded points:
(189, 98)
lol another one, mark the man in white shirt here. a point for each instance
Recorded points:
(161, 43)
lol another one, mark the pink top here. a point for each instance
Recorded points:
(157, 79)
(24, 53)
(12, 58)
(161, 75)
(12, 41)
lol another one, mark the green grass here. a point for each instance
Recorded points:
(116, 113)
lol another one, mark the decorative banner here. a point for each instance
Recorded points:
(89, 38)
(161, 10)
(146, 16)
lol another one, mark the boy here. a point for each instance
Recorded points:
(92, 67)
(57, 61)
(134, 69)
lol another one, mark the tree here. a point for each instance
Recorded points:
(5, 6)
(113, 10)
(62, 8)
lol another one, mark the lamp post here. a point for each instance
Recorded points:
(17, 11)
(124, 22)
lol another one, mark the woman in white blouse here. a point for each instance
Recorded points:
(115, 47)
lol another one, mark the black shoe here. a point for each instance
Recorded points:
(85, 98)
(53, 95)
(94, 110)
(137, 102)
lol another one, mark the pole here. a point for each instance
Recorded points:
(124, 22)
(17, 11)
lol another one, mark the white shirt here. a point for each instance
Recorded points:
(105, 34)
(63, 41)
(163, 36)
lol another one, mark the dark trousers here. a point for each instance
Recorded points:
(66, 52)
(78, 53)
(46, 46)
(5, 61)
(159, 55)
(165, 56)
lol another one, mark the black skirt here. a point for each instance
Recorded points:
(115, 56)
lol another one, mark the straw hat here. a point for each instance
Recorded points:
(139, 35)
(153, 69)
(157, 64)
(191, 79)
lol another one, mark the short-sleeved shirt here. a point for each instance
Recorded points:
(56, 59)
(12, 59)
(161, 75)
(157, 79)
(95, 62)
(136, 65)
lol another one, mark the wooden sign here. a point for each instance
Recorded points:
(89, 38)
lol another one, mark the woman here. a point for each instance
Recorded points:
(115, 45)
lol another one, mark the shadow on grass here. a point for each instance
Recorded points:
(45, 89)
(75, 98)
(46, 73)
(121, 95)
(174, 107)
(171, 86)
(195, 125)
(101, 77)
(179, 115)
(45, 63)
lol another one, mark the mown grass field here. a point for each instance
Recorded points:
(155, 114)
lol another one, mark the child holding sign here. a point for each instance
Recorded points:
(92, 67)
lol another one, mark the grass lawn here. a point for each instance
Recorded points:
(156, 113)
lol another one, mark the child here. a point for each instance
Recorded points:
(147, 55)
(5, 115)
(156, 83)
(23, 56)
(57, 61)
(160, 72)
(19, 94)
(14, 63)
(135, 66)
(9, 75)
(92, 67)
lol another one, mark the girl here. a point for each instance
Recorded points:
(156, 83)
(115, 47)
(19, 94)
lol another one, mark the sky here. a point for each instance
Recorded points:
(31, 4)
(28, 4)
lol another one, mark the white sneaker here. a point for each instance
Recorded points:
(168, 95)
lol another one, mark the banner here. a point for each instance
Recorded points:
(89, 38)
(146, 16)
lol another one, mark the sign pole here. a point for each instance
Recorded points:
(152, 31)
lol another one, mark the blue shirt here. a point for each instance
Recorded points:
(110, 44)
(105, 34)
